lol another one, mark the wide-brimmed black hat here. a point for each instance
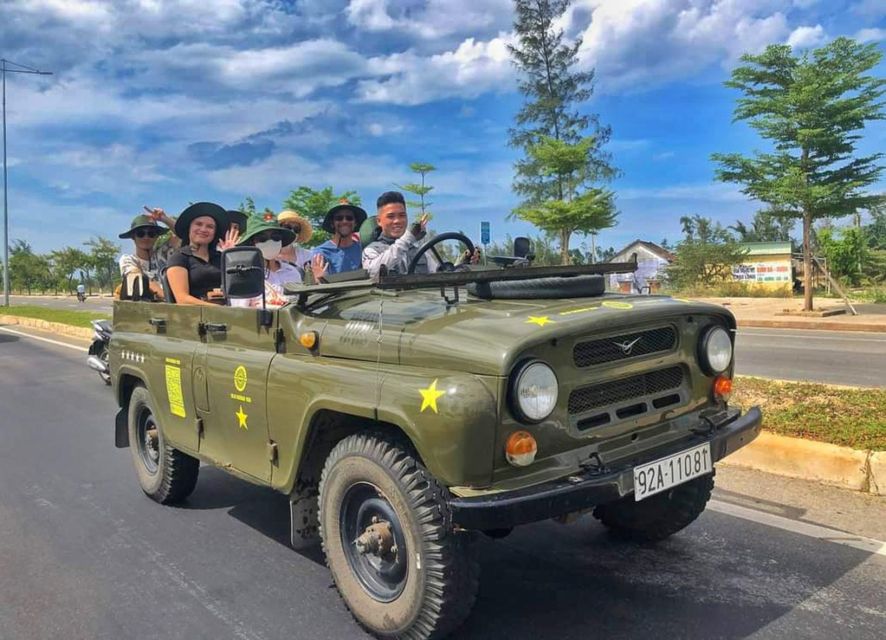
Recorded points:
(198, 210)
(359, 215)
(237, 217)
(141, 222)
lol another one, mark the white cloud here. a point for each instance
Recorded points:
(702, 192)
(431, 19)
(871, 35)
(806, 37)
(472, 69)
(636, 44)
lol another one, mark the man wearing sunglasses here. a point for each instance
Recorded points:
(144, 232)
(342, 253)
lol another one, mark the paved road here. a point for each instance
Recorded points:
(92, 303)
(83, 554)
(836, 357)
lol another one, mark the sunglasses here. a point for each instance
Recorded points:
(264, 237)
(343, 218)
(146, 233)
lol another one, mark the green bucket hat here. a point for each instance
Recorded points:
(256, 225)
(141, 222)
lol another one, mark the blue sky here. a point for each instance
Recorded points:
(162, 103)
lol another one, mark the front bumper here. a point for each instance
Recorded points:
(591, 487)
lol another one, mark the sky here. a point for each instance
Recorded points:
(163, 103)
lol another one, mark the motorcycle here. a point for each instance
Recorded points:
(98, 350)
(81, 297)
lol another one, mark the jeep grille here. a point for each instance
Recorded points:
(642, 343)
(616, 392)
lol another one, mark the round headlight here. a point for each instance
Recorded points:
(535, 391)
(716, 350)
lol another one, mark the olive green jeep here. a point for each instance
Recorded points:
(404, 416)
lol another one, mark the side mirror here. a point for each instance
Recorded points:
(522, 247)
(243, 273)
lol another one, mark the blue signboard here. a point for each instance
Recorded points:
(484, 233)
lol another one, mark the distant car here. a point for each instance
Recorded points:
(404, 416)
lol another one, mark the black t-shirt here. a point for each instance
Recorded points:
(202, 276)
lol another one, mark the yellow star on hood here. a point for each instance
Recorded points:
(241, 418)
(539, 320)
(429, 397)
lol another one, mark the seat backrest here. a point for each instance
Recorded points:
(167, 290)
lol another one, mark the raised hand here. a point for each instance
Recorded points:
(319, 267)
(229, 241)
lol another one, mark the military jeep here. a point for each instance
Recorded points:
(405, 416)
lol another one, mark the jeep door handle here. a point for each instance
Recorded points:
(213, 327)
(160, 323)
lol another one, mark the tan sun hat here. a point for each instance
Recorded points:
(290, 217)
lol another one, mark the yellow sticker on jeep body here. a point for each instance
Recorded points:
(174, 388)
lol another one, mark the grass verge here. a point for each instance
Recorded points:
(73, 318)
(845, 416)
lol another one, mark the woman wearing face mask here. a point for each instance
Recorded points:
(269, 237)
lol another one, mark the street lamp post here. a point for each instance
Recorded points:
(4, 69)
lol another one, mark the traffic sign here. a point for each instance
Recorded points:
(484, 233)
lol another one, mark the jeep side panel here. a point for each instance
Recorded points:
(156, 343)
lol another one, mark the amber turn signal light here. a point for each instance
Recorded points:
(308, 339)
(520, 449)
(722, 387)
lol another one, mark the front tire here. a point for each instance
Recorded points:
(385, 526)
(659, 516)
(165, 474)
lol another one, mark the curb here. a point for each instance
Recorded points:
(854, 469)
(45, 325)
(813, 325)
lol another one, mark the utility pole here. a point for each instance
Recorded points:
(4, 69)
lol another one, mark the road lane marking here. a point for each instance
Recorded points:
(55, 342)
(806, 337)
(803, 528)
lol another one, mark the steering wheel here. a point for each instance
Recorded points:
(431, 246)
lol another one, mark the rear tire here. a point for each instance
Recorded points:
(165, 474)
(425, 585)
(659, 516)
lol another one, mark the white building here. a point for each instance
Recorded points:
(652, 260)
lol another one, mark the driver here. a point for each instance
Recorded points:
(397, 244)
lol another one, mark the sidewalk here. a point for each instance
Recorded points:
(771, 313)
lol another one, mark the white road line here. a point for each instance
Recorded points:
(742, 332)
(803, 528)
(55, 342)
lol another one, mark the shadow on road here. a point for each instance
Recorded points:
(577, 581)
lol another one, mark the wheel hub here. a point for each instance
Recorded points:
(377, 539)
(151, 444)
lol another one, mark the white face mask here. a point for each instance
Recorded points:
(270, 249)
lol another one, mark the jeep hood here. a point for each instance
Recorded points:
(479, 336)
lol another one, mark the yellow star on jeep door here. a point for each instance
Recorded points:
(429, 397)
(539, 320)
(241, 418)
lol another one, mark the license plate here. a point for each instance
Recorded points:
(663, 474)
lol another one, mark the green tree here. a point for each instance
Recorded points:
(67, 262)
(103, 257)
(766, 226)
(811, 107)
(27, 270)
(706, 254)
(247, 206)
(419, 189)
(552, 89)
(575, 211)
(845, 250)
(313, 204)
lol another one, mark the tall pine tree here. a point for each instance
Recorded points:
(553, 91)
